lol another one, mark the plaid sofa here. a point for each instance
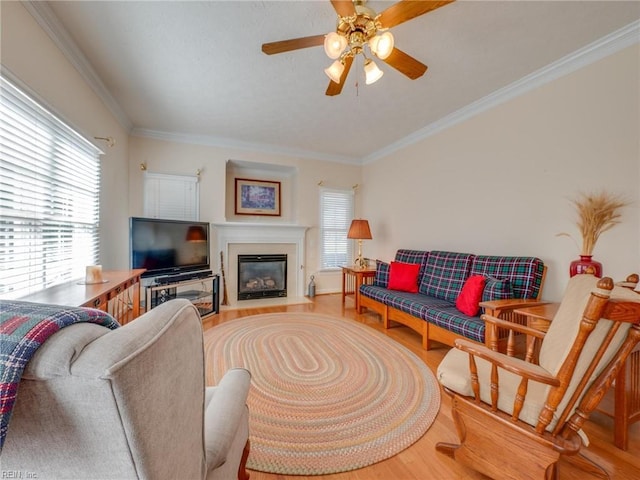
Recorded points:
(432, 311)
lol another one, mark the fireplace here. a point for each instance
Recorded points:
(262, 276)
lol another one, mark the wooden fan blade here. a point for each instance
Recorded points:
(406, 10)
(406, 64)
(344, 8)
(292, 44)
(335, 88)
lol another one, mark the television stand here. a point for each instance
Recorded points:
(203, 292)
(181, 277)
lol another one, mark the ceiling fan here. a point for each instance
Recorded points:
(359, 26)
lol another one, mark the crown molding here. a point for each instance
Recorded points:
(44, 16)
(607, 45)
(222, 142)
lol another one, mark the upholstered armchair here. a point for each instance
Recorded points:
(128, 403)
(514, 418)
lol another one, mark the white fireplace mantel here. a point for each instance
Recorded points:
(241, 232)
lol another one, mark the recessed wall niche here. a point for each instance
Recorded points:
(284, 174)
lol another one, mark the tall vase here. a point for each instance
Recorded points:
(585, 265)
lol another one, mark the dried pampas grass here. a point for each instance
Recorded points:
(597, 213)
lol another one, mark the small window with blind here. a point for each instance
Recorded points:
(49, 197)
(336, 213)
(171, 197)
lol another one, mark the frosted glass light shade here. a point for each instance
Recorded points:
(334, 72)
(382, 45)
(334, 44)
(371, 72)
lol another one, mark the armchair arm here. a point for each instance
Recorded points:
(514, 365)
(497, 307)
(505, 310)
(516, 327)
(224, 408)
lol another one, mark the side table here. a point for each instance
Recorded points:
(352, 278)
(625, 391)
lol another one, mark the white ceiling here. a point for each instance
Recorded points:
(195, 71)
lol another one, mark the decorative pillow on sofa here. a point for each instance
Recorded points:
(468, 302)
(404, 277)
(496, 289)
(381, 278)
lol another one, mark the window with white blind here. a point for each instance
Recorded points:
(336, 213)
(172, 197)
(49, 197)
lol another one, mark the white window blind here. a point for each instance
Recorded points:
(336, 213)
(174, 197)
(49, 197)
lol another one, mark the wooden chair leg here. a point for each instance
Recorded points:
(552, 472)
(242, 469)
(585, 464)
(449, 449)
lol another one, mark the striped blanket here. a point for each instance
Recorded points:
(24, 326)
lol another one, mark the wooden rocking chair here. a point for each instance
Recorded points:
(515, 418)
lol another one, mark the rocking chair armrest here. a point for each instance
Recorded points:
(516, 327)
(514, 365)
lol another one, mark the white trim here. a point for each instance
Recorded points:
(237, 232)
(608, 45)
(222, 142)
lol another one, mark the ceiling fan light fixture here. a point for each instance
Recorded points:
(334, 72)
(334, 45)
(382, 45)
(371, 72)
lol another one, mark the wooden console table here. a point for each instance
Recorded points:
(622, 402)
(352, 279)
(119, 295)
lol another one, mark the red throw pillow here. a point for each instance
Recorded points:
(404, 277)
(468, 302)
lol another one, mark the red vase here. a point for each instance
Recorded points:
(585, 265)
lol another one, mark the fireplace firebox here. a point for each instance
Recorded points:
(262, 276)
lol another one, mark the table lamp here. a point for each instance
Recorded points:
(359, 230)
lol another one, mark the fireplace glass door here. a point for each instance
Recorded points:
(262, 276)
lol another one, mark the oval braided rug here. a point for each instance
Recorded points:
(327, 395)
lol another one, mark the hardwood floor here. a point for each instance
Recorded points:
(421, 461)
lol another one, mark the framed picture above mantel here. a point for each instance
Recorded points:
(257, 197)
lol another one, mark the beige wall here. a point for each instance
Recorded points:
(500, 182)
(30, 55)
(299, 178)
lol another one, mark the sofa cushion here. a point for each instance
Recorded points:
(379, 294)
(413, 256)
(497, 289)
(450, 318)
(468, 302)
(524, 273)
(414, 304)
(381, 278)
(445, 274)
(404, 277)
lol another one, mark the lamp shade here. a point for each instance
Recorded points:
(359, 230)
(334, 44)
(334, 72)
(196, 234)
(382, 45)
(371, 72)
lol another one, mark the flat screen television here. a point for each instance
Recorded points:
(165, 247)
